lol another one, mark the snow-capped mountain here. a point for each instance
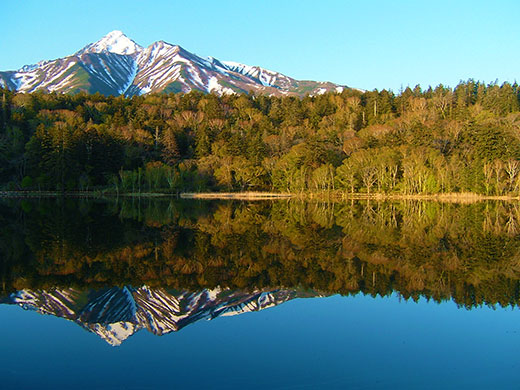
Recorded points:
(117, 313)
(115, 42)
(116, 65)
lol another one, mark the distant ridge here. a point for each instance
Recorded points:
(116, 65)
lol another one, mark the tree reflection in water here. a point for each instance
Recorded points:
(468, 253)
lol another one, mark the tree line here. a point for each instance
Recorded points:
(438, 140)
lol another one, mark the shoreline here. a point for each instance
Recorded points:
(235, 195)
(443, 197)
(323, 196)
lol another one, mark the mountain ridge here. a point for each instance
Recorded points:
(117, 65)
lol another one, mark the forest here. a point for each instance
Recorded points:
(438, 140)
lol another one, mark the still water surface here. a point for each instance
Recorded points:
(388, 295)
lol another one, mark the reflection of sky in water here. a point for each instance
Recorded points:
(336, 342)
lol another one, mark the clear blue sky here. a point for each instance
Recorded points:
(364, 44)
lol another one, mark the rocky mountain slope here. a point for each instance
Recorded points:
(116, 65)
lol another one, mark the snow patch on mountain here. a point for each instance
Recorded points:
(217, 65)
(266, 77)
(157, 51)
(30, 81)
(213, 293)
(29, 68)
(114, 334)
(52, 302)
(114, 42)
(195, 76)
(130, 80)
(63, 83)
(214, 86)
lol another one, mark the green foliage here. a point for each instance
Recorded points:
(27, 182)
(418, 142)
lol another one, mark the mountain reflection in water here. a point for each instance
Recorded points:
(200, 260)
(115, 314)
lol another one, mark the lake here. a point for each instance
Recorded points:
(188, 294)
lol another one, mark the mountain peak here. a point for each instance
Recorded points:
(116, 65)
(162, 44)
(114, 42)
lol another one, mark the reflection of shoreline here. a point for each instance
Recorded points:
(336, 196)
(116, 313)
(235, 195)
(466, 197)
